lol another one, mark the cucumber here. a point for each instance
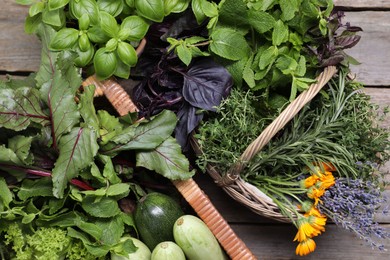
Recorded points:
(142, 253)
(154, 217)
(168, 250)
(196, 240)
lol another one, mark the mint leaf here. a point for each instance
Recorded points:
(286, 64)
(268, 57)
(146, 135)
(76, 151)
(261, 21)
(229, 44)
(21, 107)
(6, 196)
(234, 13)
(248, 73)
(184, 54)
(280, 33)
(121, 189)
(166, 160)
(105, 207)
(289, 8)
(112, 228)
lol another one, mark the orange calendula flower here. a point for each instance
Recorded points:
(327, 181)
(305, 230)
(327, 166)
(310, 181)
(317, 223)
(313, 211)
(305, 247)
(315, 194)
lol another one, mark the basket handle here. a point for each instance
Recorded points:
(288, 113)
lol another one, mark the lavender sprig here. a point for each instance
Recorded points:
(353, 204)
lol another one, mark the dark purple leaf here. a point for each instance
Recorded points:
(189, 118)
(349, 41)
(206, 83)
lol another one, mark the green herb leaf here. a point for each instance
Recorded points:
(261, 21)
(248, 74)
(112, 228)
(184, 54)
(210, 9)
(79, 8)
(55, 18)
(109, 126)
(32, 23)
(105, 63)
(90, 228)
(136, 26)
(6, 196)
(146, 135)
(268, 57)
(286, 64)
(121, 189)
(21, 145)
(112, 7)
(289, 8)
(234, 13)
(56, 4)
(229, 44)
(109, 170)
(36, 9)
(150, 9)
(175, 6)
(198, 12)
(76, 151)
(84, 57)
(96, 34)
(105, 207)
(127, 53)
(35, 188)
(109, 24)
(280, 33)
(64, 39)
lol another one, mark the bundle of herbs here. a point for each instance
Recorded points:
(324, 144)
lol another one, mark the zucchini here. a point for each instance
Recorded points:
(154, 217)
(168, 250)
(142, 253)
(196, 240)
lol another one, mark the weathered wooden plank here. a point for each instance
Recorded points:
(18, 51)
(369, 4)
(276, 242)
(373, 51)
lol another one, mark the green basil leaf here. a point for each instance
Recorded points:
(84, 42)
(280, 33)
(56, 4)
(130, 3)
(210, 9)
(64, 39)
(84, 57)
(25, 2)
(167, 160)
(36, 9)
(111, 45)
(175, 6)
(136, 26)
(32, 23)
(184, 54)
(112, 7)
(56, 18)
(150, 9)
(122, 70)
(105, 63)
(127, 53)
(84, 22)
(80, 7)
(109, 24)
(229, 44)
(198, 12)
(96, 34)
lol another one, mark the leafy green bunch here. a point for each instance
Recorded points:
(102, 32)
(63, 164)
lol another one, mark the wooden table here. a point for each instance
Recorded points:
(20, 54)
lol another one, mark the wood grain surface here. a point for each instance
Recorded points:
(267, 239)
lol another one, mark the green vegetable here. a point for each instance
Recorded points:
(142, 253)
(154, 218)
(195, 238)
(168, 250)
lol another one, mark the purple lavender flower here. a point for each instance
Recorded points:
(352, 204)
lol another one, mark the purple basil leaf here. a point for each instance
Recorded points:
(206, 83)
(349, 41)
(189, 119)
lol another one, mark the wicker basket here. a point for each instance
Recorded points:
(245, 193)
(192, 193)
